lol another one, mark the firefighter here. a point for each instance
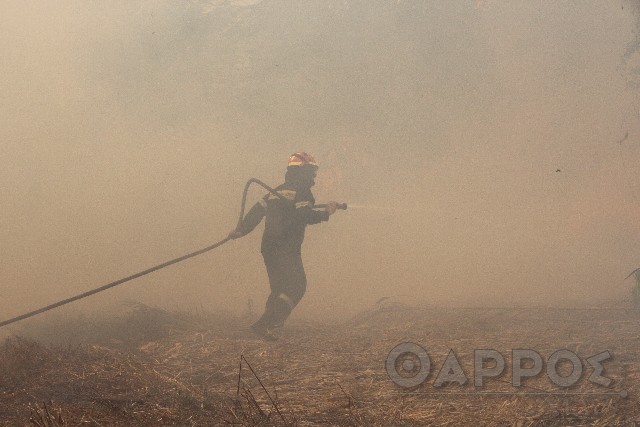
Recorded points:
(286, 219)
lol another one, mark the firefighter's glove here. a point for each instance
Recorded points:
(235, 234)
(331, 207)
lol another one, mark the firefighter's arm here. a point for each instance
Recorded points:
(306, 212)
(250, 220)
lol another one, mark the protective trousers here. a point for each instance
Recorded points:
(288, 284)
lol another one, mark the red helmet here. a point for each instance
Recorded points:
(301, 158)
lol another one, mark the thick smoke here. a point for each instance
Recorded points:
(484, 142)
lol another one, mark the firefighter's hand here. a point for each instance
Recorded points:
(235, 234)
(331, 207)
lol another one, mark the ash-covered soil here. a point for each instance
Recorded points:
(154, 367)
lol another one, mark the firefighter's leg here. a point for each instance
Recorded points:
(295, 285)
(276, 270)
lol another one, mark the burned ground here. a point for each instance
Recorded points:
(155, 367)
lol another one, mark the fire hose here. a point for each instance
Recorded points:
(159, 266)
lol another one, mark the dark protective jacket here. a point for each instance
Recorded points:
(286, 218)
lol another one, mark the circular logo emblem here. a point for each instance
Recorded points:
(408, 364)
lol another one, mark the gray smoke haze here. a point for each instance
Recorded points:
(496, 143)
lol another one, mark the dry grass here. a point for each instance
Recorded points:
(163, 368)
